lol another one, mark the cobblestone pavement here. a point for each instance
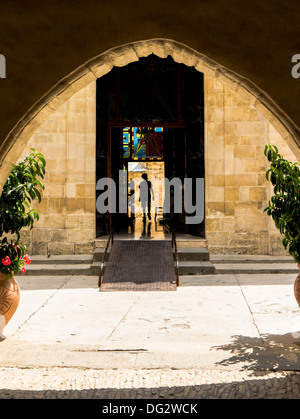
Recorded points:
(75, 383)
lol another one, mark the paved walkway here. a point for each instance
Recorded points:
(217, 336)
(75, 383)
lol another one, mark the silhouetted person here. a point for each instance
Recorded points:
(145, 195)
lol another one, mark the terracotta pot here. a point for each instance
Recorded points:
(9, 300)
(297, 287)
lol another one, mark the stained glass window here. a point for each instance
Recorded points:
(126, 142)
(143, 143)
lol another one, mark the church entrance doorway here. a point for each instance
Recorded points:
(150, 121)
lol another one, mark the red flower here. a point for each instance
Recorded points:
(6, 261)
(27, 259)
(23, 270)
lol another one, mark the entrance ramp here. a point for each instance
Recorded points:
(140, 265)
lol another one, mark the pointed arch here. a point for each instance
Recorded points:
(19, 136)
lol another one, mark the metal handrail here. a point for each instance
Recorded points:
(174, 247)
(110, 239)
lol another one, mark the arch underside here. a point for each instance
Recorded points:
(120, 56)
(239, 120)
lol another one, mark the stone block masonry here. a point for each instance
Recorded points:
(235, 186)
(67, 210)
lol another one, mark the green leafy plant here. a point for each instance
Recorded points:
(20, 189)
(284, 205)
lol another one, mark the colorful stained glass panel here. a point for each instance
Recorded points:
(126, 142)
(143, 143)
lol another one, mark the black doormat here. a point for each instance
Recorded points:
(140, 265)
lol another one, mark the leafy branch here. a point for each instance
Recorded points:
(284, 205)
(20, 189)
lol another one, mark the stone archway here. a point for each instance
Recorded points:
(239, 120)
(120, 56)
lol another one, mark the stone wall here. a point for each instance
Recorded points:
(67, 210)
(236, 188)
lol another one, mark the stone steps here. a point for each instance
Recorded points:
(184, 254)
(253, 264)
(56, 265)
(250, 259)
(182, 241)
(192, 261)
(61, 259)
(196, 267)
(257, 268)
(192, 253)
(53, 269)
(185, 268)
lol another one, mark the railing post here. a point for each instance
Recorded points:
(174, 247)
(110, 238)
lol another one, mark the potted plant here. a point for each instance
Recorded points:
(284, 205)
(20, 189)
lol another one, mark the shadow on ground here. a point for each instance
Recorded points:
(260, 388)
(270, 353)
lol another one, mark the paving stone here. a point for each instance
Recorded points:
(73, 383)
